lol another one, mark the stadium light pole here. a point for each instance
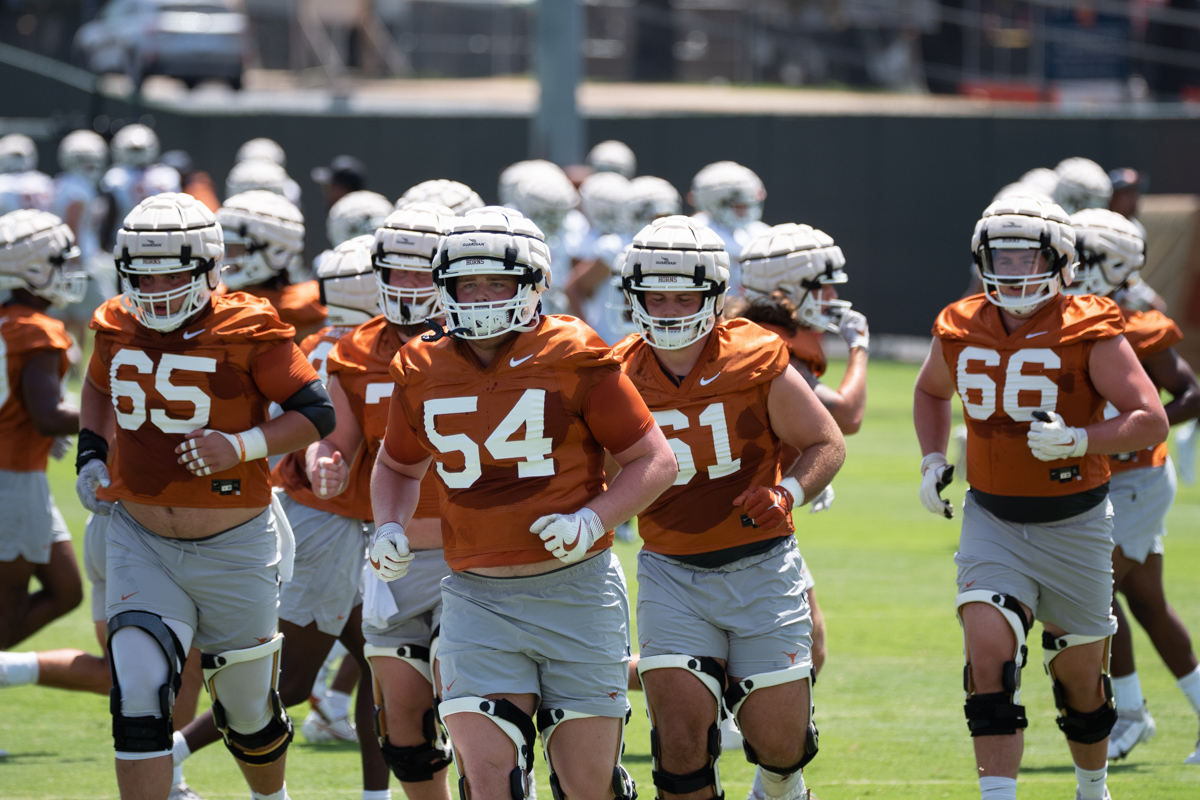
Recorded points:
(556, 132)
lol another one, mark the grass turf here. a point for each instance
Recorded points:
(889, 702)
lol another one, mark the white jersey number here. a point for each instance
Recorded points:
(1015, 382)
(319, 358)
(712, 416)
(529, 413)
(169, 363)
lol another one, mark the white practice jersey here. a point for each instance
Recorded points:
(131, 185)
(29, 189)
(601, 309)
(71, 188)
(577, 234)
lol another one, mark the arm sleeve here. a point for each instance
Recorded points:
(616, 414)
(401, 441)
(282, 370)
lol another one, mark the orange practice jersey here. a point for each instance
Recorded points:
(1148, 332)
(24, 332)
(220, 372)
(298, 304)
(1002, 378)
(716, 422)
(289, 473)
(516, 440)
(805, 346)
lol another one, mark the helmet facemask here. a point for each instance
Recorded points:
(1035, 288)
(406, 305)
(486, 320)
(817, 311)
(254, 263)
(194, 294)
(673, 333)
(726, 216)
(68, 282)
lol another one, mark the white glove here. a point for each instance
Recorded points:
(853, 329)
(60, 447)
(1050, 439)
(936, 475)
(560, 531)
(822, 501)
(1185, 450)
(92, 476)
(390, 555)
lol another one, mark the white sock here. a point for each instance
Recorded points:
(179, 750)
(383, 794)
(1127, 692)
(18, 669)
(177, 776)
(1091, 782)
(780, 788)
(280, 795)
(336, 705)
(992, 788)
(1190, 685)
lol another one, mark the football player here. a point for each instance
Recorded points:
(604, 200)
(1111, 249)
(39, 266)
(1082, 183)
(458, 197)
(135, 174)
(262, 149)
(722, 612)
(179, 385)
(401, 618)
(517, 410)
(264, 237)
(22, 185)
(729, 199)
(321, 604)
(613, 156)
(1034, 369)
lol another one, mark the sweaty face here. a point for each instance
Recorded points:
(485, 288)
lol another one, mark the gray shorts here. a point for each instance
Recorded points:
(1061, 570)
(1141, 499)
(29, 520)
(94, 534)
(330, 553)
(753, 613)
(225, 587)
(563, 636)
(408, 610)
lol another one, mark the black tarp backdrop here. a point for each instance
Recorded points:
(899, 194)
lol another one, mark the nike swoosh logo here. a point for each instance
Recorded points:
(193, 334)
(704, 382)
(374, 563)
(969, 585)
(127, 596)
(516, 362)
(1031, 335)
(450, 685)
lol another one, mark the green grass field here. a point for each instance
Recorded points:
(889, 702)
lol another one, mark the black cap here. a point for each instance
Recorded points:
(1128, 178)
(345, 170)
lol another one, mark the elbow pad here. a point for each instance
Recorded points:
(313, 402)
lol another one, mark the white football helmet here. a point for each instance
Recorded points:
(604, 200)
(650, 198)
(18, 153)
(261, 149)
(613, 156)
(492, 240)
(84, 152)
(407, 241)
(1043, 179)
(269, 232)
(347, 282)
(514, 173)
(797, 260)
(1082, 183)
(1020, 189)
(458, 197)
(676, 254)
(356, 214)
(1024, 223)
(248, 176)
(38, 254)
(135, 145)
(167, 234)
(1110, 250)
(720, 186)
(544, 197)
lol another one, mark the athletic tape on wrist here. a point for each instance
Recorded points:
(250, 445)
(794, 489)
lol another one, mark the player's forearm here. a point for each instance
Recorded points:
(60, 420)
(96, 412)
(394, 496)
(287, 433)
(816, 466)
(637, 485)
(931, 418)
(1131, 430)
(853, 392)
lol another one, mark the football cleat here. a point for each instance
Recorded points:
(731, 735)
(181, 791)
(1107, 796)
(1132, 728)
(318, 728)
(1194, 758)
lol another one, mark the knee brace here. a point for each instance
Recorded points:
(548, 720)
(997, 713)
(421, 762)
(145, 734)
(269, 743)
(737, 694)
(712, 675)
(516, 725)
(1078, 726)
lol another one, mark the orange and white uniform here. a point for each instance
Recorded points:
(804, 346)
(298, 304)
(31, 522)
